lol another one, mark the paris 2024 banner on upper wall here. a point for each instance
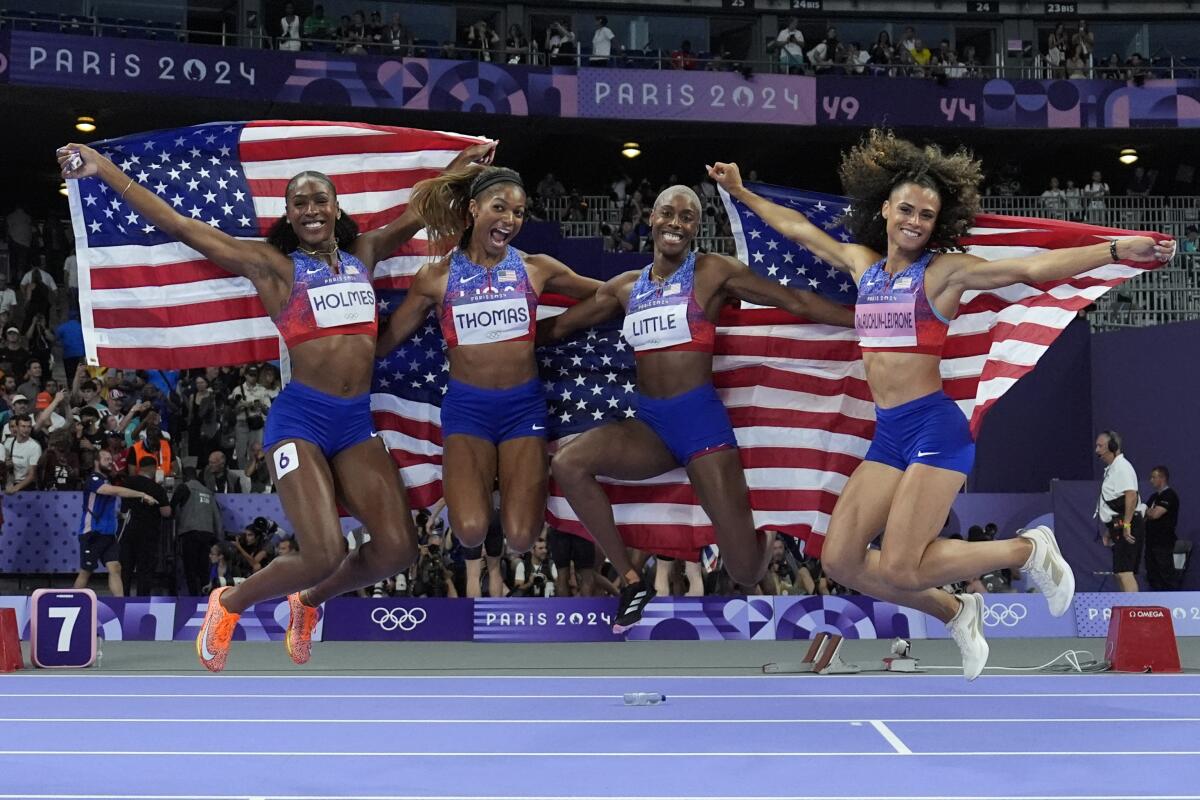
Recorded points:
(424, 84)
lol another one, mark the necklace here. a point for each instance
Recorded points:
(333, 251)
(328, 252)
(654, 276)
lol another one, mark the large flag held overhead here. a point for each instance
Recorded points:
(148, 302)
(796, 391)
(998, 335)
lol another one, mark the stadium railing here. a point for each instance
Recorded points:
(1165, 66)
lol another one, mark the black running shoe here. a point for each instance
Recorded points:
(634, 598)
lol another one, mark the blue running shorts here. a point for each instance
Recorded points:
(929, 430)
(691, 424)
(496, 415)
(331, 423)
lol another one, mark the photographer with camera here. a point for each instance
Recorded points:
(481, 40)
(535, 574)
(250, 547)
(561, 46)
(790, 44)
(39, 338)
(250, 403)
(781, 575)
(430, 577)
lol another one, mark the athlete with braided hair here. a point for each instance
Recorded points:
(909, 206)
(313, 276)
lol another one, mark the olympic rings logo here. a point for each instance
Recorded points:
(403, 619)
(1006, 615)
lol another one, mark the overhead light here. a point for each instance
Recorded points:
(85, 124)
(631, 150)
(1128, 156)
(62, 188)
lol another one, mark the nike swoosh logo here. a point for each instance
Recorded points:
(645, 294)
(923, 454)
(539, 427)
(208, 655)
(468, 280)
(313, 271)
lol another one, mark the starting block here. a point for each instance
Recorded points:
(824, 658)
(1141, 639)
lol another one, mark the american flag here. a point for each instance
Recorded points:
(796, 391)
(149, 302)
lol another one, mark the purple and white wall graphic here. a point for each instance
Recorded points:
(540, 619)
(425, 84)
(785, 618)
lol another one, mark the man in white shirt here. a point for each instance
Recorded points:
(601, 43)
(27, 278)
(790, 42)
(1054, 200)
(535, 575)
(1094, 193)
(71, 271)
(8, 298)
(251, 402)
(289, 27)
(1119, 510)
(21, 455)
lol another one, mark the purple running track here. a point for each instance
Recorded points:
(292, 736)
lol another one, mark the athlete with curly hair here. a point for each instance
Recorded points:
(909, 206)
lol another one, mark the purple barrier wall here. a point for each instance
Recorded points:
(40, 528)
(516, 620)
(1041, 429)
(1078, 534)
(1144, 386)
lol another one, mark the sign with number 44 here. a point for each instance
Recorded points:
(63, 628)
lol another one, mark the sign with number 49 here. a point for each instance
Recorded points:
(63, 628)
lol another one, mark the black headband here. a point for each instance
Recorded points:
(500, 175)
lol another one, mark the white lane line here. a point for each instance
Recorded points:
(591, 754)
(494, 721)
(892, 739)
(857, 679)
(93, 796)
(297, 696)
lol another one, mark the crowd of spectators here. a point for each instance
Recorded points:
(1072, 54)
(57, 413)
(628, 229)
(356, 33)
(563, 565)
(910, 56)
(1068, 52)
(1079, 202)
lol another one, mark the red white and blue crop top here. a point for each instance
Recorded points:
(893, 313)
(327, 303)
(484, 305)
(666, 316)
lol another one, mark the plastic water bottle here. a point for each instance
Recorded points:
(644, 698)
